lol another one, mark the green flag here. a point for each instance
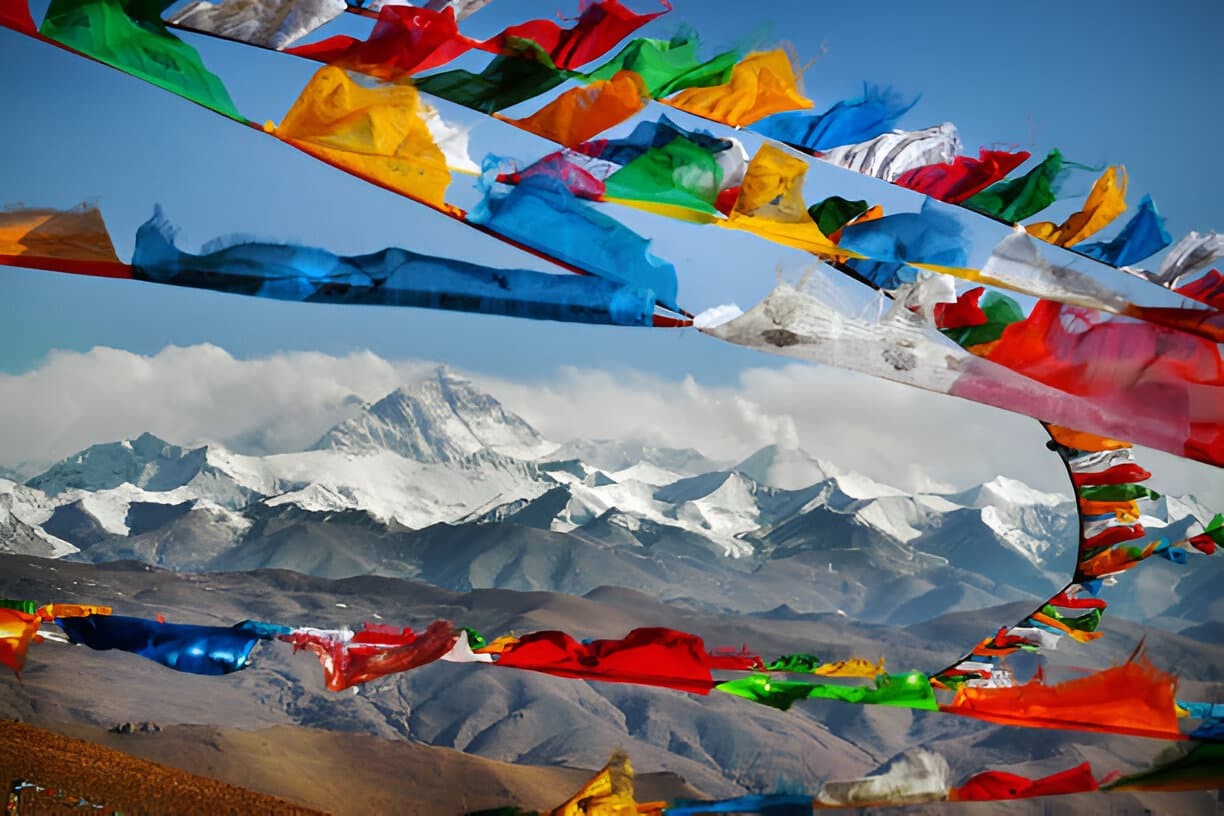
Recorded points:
(505, 81)
(1117, 492)
(911, 690)
(28, 607)
(1087, 622)
(1014, 200)
(1001, 311)
(679, 173)
(794, 663)
(668, 66)
(835, 212)
(130, 36)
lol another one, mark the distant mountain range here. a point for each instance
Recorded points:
(439, 482)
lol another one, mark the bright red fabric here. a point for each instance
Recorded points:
(1113, 535)
(407, 40)
(404, 41)
(375, 652)
(1127, 473)
(963, 177)
(1166, 380)
(1208, 289)
(15, 14)
(648, 656)
(964, 312)
(598, 29)
(991, 786)
(1066, 601)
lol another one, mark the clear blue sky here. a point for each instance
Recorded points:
(1103, 81)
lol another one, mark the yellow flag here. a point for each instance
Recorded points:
(762, 83)
(1105, 203)
(497, 645)
(581, 114)
(771, 205)
(608, 793)
(377, 133)
(854, 667)
(77, 234)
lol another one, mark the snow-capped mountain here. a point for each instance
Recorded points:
(440, 420)
(439, 481)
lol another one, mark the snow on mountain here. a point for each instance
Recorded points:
(648, 474)
(440, 419)
(1002, 490)
(391, 487)
(785, 468)
(612, 455)
(145, 461)
(22, 512)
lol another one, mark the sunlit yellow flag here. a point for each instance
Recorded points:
(608, 793)
(771, 205)
(1105, 203)
(762, 83)
(497, 645)
(378, 133)
(854, 667)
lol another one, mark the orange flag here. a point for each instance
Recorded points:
(17, 631)
(1134, 698)
(581, 114)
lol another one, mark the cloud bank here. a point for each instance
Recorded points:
(285, 402)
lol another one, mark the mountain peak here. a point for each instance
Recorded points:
(441, 418)
(785, 467)
(146, 461)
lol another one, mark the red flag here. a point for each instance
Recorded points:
(649, 657)
(990, 786)
(964, 177)
(374, 652)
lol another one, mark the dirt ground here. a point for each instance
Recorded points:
(113, 782)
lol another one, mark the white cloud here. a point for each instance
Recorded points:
(277, 403)
(283, 402)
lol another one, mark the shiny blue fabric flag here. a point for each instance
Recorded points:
(1209, 731)
(1203, 711)
(1143, 236)
(262, 630)
(180, 646)
(933, 235)
(774, 804)
(541, 212)
(391, 277)
(647, 135)
(848, 122)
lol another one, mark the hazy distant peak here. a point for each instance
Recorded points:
(441, 418)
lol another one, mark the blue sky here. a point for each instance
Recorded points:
(1104, 82)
